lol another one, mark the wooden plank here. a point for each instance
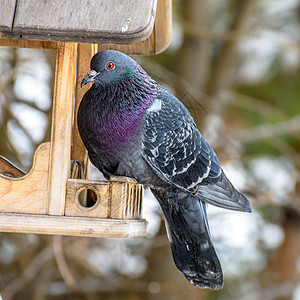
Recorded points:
(76, 226)
(157, 42)
(5, 42)
(93, 21)
(27, 194)
(7, 12)
(61, 131)
(159, 39)
(163, 26)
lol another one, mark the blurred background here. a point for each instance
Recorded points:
(236, 65)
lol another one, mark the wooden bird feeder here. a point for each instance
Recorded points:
(52, 197)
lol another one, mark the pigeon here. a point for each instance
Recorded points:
(132, 126)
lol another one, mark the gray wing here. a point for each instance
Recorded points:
(180, 155)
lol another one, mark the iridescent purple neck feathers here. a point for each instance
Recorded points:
(120, 106)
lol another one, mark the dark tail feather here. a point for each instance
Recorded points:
(220, 192)
(192, 248)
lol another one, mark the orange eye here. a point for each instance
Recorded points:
(110, 65)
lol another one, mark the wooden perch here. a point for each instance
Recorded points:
(76, 226)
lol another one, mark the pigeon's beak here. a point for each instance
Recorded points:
(89, 77)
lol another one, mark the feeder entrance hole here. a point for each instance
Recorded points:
(87, 198)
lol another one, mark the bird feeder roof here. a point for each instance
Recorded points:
(91, 21)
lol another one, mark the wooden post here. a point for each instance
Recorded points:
(162, 26)
(85, 53)
(61, 131)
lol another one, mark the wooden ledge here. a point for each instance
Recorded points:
(72, 226)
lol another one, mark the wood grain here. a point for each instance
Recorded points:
(7, 10)
(157, 42)
(76, 226)
(125, 200)
(92, 21)
(61, 131)
(163, 26)
(27, 194)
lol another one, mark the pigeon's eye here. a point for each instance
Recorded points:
(110, 65)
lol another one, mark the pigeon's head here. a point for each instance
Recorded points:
(109, 66)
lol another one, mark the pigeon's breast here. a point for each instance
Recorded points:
(115, 133)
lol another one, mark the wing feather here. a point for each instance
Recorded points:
(179, 154)
(174, 147)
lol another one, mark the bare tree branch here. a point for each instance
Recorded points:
(266, 131)
(28, 274)
(57, 245)
(220, 74)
